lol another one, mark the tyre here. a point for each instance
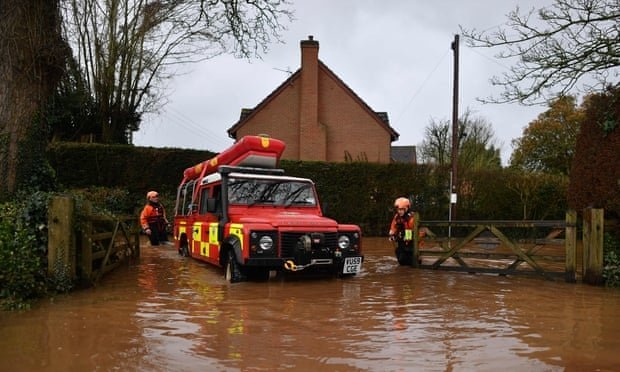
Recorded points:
(233, 273)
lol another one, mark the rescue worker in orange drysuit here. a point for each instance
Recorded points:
(153, 219)
(401, 231)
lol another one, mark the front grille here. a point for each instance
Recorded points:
(289, 240)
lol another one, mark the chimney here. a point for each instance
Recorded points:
(312, 137)
(309, 52)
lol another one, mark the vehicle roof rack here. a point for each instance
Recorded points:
(226, 169)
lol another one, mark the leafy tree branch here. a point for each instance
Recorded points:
(127, 49)
(573, 44)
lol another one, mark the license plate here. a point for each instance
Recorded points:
(352, 265)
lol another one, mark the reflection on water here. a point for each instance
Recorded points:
(171, 313)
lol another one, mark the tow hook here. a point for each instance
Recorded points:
(290, 265)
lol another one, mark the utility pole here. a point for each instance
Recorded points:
(455, 129)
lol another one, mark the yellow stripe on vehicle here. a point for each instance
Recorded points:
(236, 229)
(213, 228)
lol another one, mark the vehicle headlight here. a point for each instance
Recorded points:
(265, 243)
(344, 242)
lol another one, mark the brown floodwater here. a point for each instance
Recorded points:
(169, 313)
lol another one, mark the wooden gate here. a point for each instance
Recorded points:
(544, 248)
(104, 243)
(89, 245)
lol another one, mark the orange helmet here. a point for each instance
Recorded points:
(151, 194)
(402, 203)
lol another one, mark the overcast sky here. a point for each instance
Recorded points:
(394, 54)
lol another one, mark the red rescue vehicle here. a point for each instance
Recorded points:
(240, 212)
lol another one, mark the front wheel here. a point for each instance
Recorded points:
(233, 273)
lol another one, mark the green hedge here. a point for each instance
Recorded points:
(356, 192)
(133, 169)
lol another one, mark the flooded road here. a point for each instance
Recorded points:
(168, 313)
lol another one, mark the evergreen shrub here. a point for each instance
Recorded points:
(353, 192)
(23, 250)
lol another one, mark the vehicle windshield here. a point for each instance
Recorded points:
(270, 192)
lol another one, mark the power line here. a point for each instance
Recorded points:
(491, 59)
(415, 94)
(217, 140)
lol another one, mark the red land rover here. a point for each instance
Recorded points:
(240, 212)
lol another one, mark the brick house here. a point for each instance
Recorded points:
(319, 117)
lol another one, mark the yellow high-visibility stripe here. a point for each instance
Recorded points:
(213, 227)
(236, 229)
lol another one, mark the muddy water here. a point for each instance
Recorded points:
(167, 313)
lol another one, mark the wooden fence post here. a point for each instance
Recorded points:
(61, 237)
(416, 240)
(593, 231)
(86, 246)
(570, 244)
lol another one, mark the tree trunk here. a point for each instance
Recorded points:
(31, 52)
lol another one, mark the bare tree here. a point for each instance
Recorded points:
(31, 55)
(571, 44)
(476, 143)
(477, 147)
(126, 49)
(435, 147)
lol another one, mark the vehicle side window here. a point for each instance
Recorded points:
(188, 202)
(217, 195)
(204, 194)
